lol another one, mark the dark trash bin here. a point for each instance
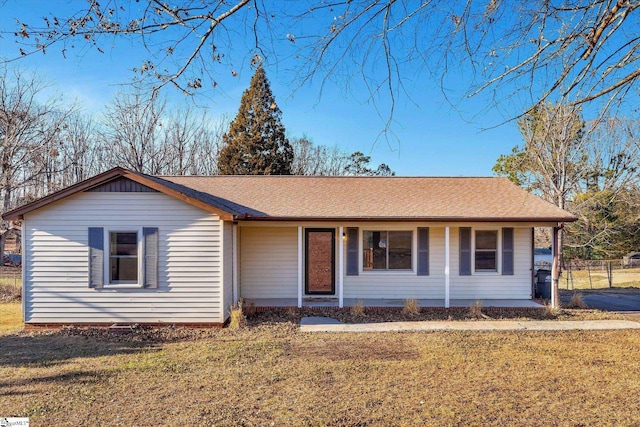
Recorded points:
(543, 284)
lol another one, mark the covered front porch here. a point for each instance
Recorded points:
(388, 303)
(292, 265)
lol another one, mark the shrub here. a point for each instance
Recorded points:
(577, 302)
(553, 311)
(249, 309)
(238, 320)
(411, 307)
(292, 312)
(10, 293)
(358, 309)
(475, 309)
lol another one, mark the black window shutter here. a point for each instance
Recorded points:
(423, 251)
(507, 251)
(96, 257)
(352, 251)
(465, 251)
(150, 254)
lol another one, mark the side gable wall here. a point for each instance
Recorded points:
(56, 261)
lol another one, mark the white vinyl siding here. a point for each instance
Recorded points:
(493, 285)
(56, 261)
(402, 284)
(269, 262)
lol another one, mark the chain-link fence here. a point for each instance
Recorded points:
(10, 285)
(599, 274)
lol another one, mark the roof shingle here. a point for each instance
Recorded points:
(335, 198)
(292, 197)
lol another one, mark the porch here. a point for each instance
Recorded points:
(322, 265)
(388, 303)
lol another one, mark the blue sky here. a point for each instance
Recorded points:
(430, 137)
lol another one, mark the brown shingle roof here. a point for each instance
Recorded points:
(327, 198)
(292, 197)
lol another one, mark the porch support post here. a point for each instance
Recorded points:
(555, 267)
(300, 243)
(446, 267)
(236, 260)
(340, 267)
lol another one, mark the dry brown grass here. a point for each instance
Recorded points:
(553, 311)
(475, 310)
(10, 293)
(577, 302)
(237, 318)
(10, 317)
(270, 374)
(10, 287)
(357, 310)
(411, 307)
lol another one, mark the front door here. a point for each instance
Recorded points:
(320, 259)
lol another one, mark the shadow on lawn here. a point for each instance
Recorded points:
(43, 350)
(75, 377)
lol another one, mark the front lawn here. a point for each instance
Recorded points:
(271, 374)
(10, 318)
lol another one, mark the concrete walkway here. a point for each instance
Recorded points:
(325, 324)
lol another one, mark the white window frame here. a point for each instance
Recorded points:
(414, 251)
(107, 257)
(498, 269)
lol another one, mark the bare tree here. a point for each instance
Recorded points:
(613, 153)
(80, 150)
(311, 159)
(605, 201)
(184, 40)
(191, 143)
(133, 132)
(206, 149)
(532, 51)
(29, 129)
(553, 159)
(139, 133)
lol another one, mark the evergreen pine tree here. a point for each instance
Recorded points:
(255, 143)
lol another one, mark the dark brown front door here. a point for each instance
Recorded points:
(320, 261)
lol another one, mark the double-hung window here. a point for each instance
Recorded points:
(123, 257)
(486, 253)
(387, 250)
